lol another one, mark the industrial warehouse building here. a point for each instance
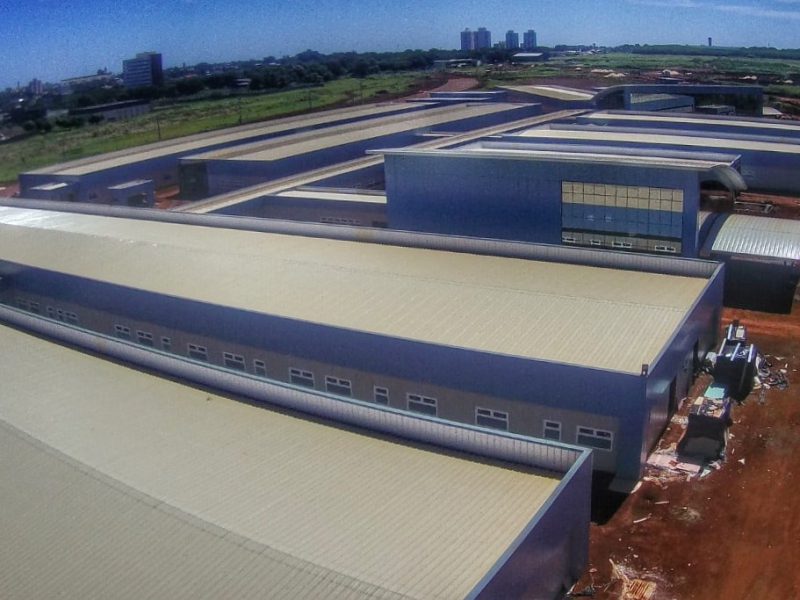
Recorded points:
(89, 179)
(599, 197)
(594, 355)
(118, 483)
(221, 171)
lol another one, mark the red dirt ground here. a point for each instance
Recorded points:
(7, 190)
(734, 534)
(453, 84)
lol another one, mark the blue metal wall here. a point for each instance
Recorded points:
(312, 210)
(513, 199)
(625, 397)
(552, 553)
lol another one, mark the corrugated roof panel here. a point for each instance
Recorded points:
(759, 236)
(125, 485)
(195, 143)
(432, 296)
(599, 134)
(305, 142)
(696, 119)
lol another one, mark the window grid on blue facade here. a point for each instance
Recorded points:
(624, 210)
(340, 387)
(301, 377)
(596, 438)
(380, 395)
(551, 430)
(422, 404)
(495, 419)
(120, 331)
(197, 352)
(233, 361)
(145, 338)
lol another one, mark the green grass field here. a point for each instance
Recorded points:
(186, 118)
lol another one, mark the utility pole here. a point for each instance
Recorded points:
(158, 128)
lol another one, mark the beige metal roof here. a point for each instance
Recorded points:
(335, 196)
(597, 134)
(606, 156)
(702, 120)
(302, 143)
(197, 142)
(119, 484)
(551, 91)
(589, 316)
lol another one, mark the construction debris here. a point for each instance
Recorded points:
(633, 588)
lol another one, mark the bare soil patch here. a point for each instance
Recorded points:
(733, 534)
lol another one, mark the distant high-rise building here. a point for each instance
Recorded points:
(709, 42)
(529, 40)
(36, 87)
(483, 38)
(467, 39)
(144, 70)
(512, 40)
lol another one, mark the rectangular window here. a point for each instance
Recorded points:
(145, 338)
(301, 377)
(260, 368)
(380, 395)
(496, 419)
(70, 317)
(422, 404)
(122, 332)
(334, 385)
(61, 315)
(197, 352)
(34, 308)
(166, 344)
(233, 361)
(552, 430)
(51, 312)
(596, 438)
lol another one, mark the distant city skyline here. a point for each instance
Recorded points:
(50, 40)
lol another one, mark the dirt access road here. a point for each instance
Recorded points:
(734, 534)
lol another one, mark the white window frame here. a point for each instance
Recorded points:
(341, 387)
(197, 352)
(603, 436)
(301, 377)
(145, 338)
(122, 332)
(69, 316)
(490, 415)
(421, 404)
(51, 312)
(554, 427)
(166, 343)
(380, 395)
(259, 367)
(233, 361)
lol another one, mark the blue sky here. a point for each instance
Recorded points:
(52, 40)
